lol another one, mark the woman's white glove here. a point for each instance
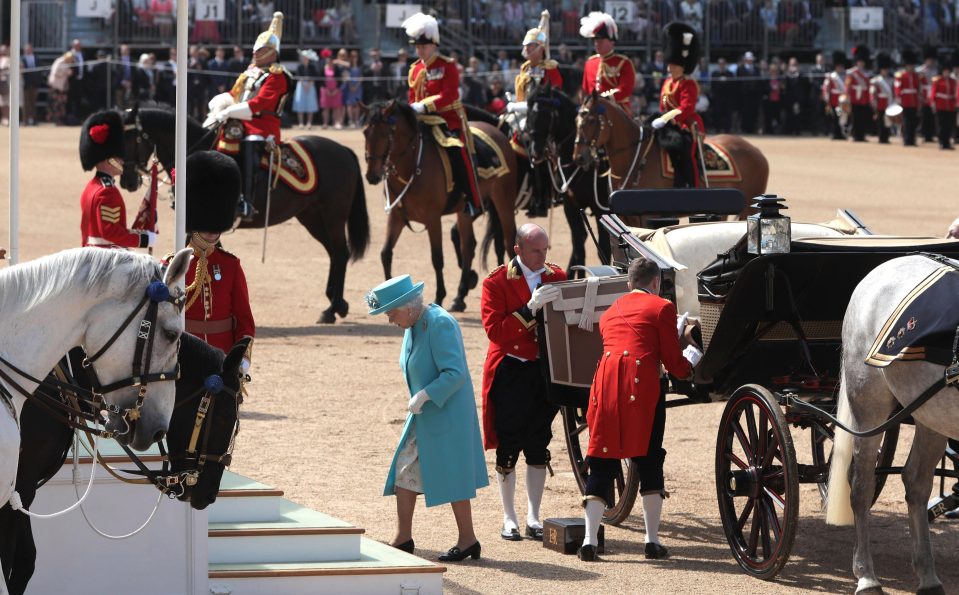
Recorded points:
(953, 231)
(692, 355)
(516, 107)
(418, 107)
(681, 324)
(417, 401)
(659, 123)
(542, 295)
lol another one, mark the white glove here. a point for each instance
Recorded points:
(681, 324)
(151, 238)
(518, 107)
(692, 355)
(542, 295)
(239, 111)
(245, 364)
(417, 401)
(659, 123)
(953, 229)
(418, 107)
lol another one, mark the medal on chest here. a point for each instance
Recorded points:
(216, 273)
(435, 74)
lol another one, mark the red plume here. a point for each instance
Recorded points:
(100, 133)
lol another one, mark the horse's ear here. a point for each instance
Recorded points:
(233, 359)
(364, 109)
(178, 267)
(389, 106)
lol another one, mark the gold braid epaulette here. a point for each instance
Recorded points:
(418, 83)
(494, 271)
(200, 276)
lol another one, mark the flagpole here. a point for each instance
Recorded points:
(182, 59)
(14, 86)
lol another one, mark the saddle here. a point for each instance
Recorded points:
(487, 156)
(293, 165)
(720, 165)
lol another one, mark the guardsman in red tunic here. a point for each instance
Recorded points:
(516, 414)
(627, 408)
(880, 90)
(834, 94)
(257, 100)
(907, 90)
(677, 102)
(218, 301)
(538, 71)
(927, 70)
(607, 72)
(103, 222)
(434, 93)
(942, 97)
(857, 88)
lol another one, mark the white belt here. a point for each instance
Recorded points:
(95, 241)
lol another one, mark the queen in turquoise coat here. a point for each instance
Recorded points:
(440, 452)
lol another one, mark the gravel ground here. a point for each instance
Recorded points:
(328, 402)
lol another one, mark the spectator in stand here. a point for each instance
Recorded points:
(75, 113)
(165, 79)
(264, 13)
(817, 121)
(472, 80)
(795, 98)
(910, 18)
(532, 10)
(304, 98)
(497, 19)
(348, 34)
(399, 74)
(197, 82)
(654, 74)
(513, 13)
(723, 97)
(59, 83)
(772, 100)
(722, 17)
(353, 91)
(331, 99)
(496, 98)
(4, 85)
(124, 74)
(162, 11)
(767, 15)
(638, 100)
(238, 62)
(219, 69)
(98, 91)
(749, 93)
(665, 12)
(147, 87)
(691, 13)
(375, 74)
(32, 81)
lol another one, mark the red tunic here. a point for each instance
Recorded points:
(942, 94)
(510, 327)
(265, 91)
(906, 88)
(880, 91)
(436, 84)
(608, 73)
(833, 87)
(639, 331)
(223, 303)
(682, 93)
(857, 86)
(544, 74)
(103, 221)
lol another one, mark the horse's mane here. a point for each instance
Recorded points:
(476, 114)
(203, 357)
(556, 92)
(86, 270)
(165, 117)
(402, 109)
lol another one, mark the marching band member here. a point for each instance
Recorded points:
(907, 91)
(434, 95)
(834, 94)
(927, 71)
(609, 73)
(516, 415)
(857, 87)
(942, 98)
(677, 101)
(880, 92)
(103, 222)
(627, 406)
(537, 70)
(257, 99)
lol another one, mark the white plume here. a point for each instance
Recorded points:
(422, 24)
(591, 22)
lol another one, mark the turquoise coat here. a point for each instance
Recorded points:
(448, 440)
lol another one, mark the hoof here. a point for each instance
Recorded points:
(327, 317)
(472, 279)
(458, 305)
(342, 309)
(937, 590)
(875, 590)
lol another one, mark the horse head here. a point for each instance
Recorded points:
(592, 131)
(138, 146)
(206, 422)
(378, 133)
(545, 120)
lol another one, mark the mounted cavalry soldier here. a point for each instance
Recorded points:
(103, 222)
(907, 88)
(610, 74)
(677, 102)
(857, 87)
(434, 95)
(538, 71)
(880, 90)
(834, 95)
(257, 100)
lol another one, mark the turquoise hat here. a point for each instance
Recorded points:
(392, 294)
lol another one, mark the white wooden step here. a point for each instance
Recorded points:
(244, 500)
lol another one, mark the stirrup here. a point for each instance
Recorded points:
(472, 210)
(245, 210)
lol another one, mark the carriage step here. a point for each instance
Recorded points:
(379, 568)
(242, 499)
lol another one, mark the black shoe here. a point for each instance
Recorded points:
(245, 210)
(587, 553)
(406, 546)
(654, 551)
(534, 533)
(510, 534)
(470, 209)
(948, 148)
(951, 514)
(455, 554)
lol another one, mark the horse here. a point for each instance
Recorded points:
(411, 164)
(334, 212)
(868, 396)
(46, 440)
(604, 132)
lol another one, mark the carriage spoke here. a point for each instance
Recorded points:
(753, 438)
(580, 428)
(775, 498)
(748, 508)
(731, 456)
(743, 441)
(767, 546)
(770, 451)
(773, 519)
(762, 444)
(754, 532)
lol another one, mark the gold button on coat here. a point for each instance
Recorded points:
(605, 449)
(625, 354)
(632, 397)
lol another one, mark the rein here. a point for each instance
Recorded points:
(389, 167)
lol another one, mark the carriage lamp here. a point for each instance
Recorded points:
(768, 231)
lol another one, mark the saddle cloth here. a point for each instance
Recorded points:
(720, 166)
(923, 325)
(294, 166)
(489, 159)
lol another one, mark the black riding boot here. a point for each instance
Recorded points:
(249, 162)
(539, 200)
(461, 183)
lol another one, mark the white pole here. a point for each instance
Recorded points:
(14, 86)
(182, 60)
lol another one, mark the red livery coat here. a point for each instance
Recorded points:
(608, 73)
(103, 219)
(857, 87)
(639, 332)
(942, 93)
(223, 299)
(833, 87)
(545, 74)
(906, 88)
(510, 326)
(436, 84)
(265, 92)
(682, 93)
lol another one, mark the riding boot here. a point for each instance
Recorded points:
(539, 199)
(462, 185)
(249, 160)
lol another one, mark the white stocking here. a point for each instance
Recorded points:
(535, 484)
(652, 511)
(507, 492)
(594, 516)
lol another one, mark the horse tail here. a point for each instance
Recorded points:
(838, 503)
(358, 224)
(494, 229)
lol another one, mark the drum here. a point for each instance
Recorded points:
(702, 104)
(893, 115)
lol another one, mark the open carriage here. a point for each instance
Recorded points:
(771, 335)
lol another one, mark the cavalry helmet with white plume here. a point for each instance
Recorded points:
(421, 29)
(682, 46)
(539, 35)
(271, 37)
(598, 25)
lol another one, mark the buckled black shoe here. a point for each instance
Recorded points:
(654, 551)
(455, 554)
(587, 553)
(406, 546)
(510, 534)
(534, 533)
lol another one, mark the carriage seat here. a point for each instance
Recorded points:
(875, 244)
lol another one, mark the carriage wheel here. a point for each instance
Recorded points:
(626, 484)
(886, 454)
(757, 483)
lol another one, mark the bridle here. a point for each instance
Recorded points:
(389, 160)
(142, 139)
(590, 112)
(600, 153)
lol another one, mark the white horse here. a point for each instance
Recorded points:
(867, 397)
(82, 297)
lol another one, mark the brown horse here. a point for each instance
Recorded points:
(635, 158)
(399, 151)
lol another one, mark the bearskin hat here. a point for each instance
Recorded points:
(909, 57)
(682, 46)
(101, 138)
(839, 58)
(598, 25)
(421, 29)
(930, 52)
(883, 60)
(213, 189)
(860, 53)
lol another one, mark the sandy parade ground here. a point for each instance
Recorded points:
(328, 402)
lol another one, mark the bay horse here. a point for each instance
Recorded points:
(334, 212)
(46, 441)
(868, 395)
(399, 152)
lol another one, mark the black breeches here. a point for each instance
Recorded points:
(910, 120)
(524, 418)
(928, 123)
(945, 122)
(860, 121)
(837, 132)
(250, 152)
